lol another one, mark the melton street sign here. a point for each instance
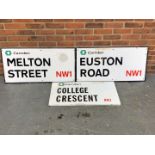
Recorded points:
(39, 65)
(111, 64)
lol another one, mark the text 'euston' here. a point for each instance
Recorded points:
(87, 64)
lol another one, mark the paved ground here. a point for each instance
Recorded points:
(24, 110)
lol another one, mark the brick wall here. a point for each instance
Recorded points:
(78, 33)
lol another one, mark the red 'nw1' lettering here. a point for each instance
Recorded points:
(133, 72)
(63, 74)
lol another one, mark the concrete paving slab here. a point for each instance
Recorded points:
(24, 110)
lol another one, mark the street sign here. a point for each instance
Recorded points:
(38, 65)
(83, 93)
(111, 64)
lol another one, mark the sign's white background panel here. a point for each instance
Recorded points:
(83, 93)
(111, 64)
(61, 67)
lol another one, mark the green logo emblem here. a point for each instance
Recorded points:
(83, 52)
(61, 84)
(8, 53)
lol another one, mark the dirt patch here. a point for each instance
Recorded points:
(60, 116)
(84, 114)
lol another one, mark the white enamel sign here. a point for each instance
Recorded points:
(111, 64)
(38, 65)
(83, 93)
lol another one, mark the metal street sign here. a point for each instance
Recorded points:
(111, 64)
(83, 93)
(39, 65)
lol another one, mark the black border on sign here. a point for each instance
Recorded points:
(30, 82)
(75, 64)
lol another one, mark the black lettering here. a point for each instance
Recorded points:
(46, 62)
(38, 74)
(44, 72)
(11, 74)
(13, 61)
(97, 61)
(83, 73)
(38, 62)
(59, 90)
(119, 60)
(64, 98)
(58, 98)
(110, 61)
(24, 73)
(82, 62)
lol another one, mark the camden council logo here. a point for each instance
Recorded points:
(61, 84)
(83, 52)
(8, 53)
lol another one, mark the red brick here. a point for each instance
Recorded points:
(138, 43)
(25, 32)
(65, 32)
(131, 36)
(3, 38)
(35, 26)
(28, 44)
(65, 44)
(84, 20)
(120, 43)
(102, 43)
(113, 25)
(103, 31)
(43, 20)
(104, 20)
(133, 24)
(94, 25)
(148, 36)
(23, 20)
(151, 52)
(47, 44)
(152, 48)
(8, 32)
(0, 56)
(141, 31)
(17, 38)
(15, 26)
(54, 38)
(122, 31)
(92, 37)
(5, 20)
(144, 20)
(63, 20)
(36, 38)
(149, 24)
(111, 37)
(8, 44)
(1, 69)
(151, 72)
(55, 25)
(74, 25)
(74, 38)
(45, 32)
(123, 20)
(1, 26)
(84, 43)
(84, 31)
(151, 42)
